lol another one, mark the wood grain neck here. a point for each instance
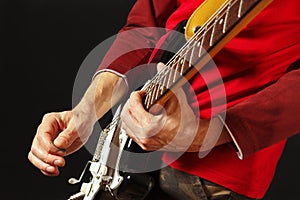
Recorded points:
(209, 28)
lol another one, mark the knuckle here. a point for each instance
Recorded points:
(141, 143)
(67, 133)
(63, 140)
(47, 116)
(47, 159)
(144, 147)
(146, 142)
(34, 150)
(29, 156)
(134, 96)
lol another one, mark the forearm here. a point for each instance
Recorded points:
(210, 133)
(104, 92)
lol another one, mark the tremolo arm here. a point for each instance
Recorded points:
(105, 162)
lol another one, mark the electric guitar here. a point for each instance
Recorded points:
(210, 27)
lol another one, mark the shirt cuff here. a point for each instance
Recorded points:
(114, 72)
(234, 143)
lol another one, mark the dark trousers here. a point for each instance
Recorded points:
(177, 185)
(171, 184)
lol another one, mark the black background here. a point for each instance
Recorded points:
(43, 44)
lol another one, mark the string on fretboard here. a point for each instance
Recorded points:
(195, 48)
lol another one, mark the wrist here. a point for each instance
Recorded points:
(86, 112)
(104, 92)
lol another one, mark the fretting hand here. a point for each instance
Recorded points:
(175, 128)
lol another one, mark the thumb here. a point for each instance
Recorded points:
(65, 139)
(160, 66)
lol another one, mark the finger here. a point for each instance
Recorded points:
(55, 141)
(47, 169)
(131, 128)
(137, 134)
(160, 66)
(46, 133)
(76, 145)
(146, 140)
(136, 109)
(131, 134)
(64, 140)
(49, 125)
(45, 156)
(43, 142)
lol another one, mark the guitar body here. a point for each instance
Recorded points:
(127, 172)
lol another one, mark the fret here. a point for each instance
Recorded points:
(153, 96)
(184, 59)
(149, 96)
(240, 8)
(181, 67)
(232, 16)
(204, 39)
(165, 77)
(226, 17)
(163, 81)
(159, 88)
(191, 55)
(176, 70)
(152, 99)
(213, 30)
(162, 89)
(188, 54)
(157, 94)
(175, 73)
(202, 42)
(219, 27)
(170, 76)
(146, 101)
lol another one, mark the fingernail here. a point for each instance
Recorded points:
(50, 169)
(58, 163)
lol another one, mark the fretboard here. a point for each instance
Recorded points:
(207, 40)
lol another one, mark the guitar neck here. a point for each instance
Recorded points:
(206, 36)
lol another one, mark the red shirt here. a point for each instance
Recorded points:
(251, 65)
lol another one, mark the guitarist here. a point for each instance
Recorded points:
(260, 74)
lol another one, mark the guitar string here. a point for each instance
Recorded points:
(194, 39)
(204, 28)
(160, 77)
